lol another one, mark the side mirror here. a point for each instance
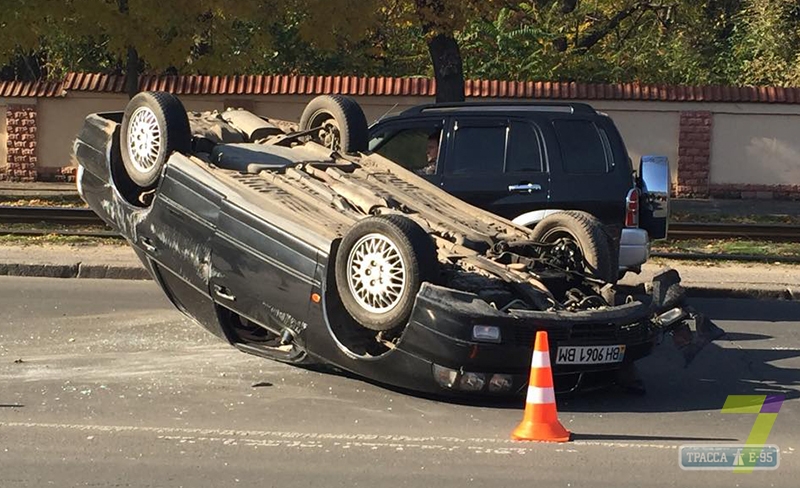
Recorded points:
(655, 184)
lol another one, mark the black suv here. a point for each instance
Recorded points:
(528, 160)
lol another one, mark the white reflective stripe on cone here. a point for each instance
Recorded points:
(540, 395)
(540, 359)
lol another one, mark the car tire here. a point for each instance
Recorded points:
(154, 125)
(342, 124)
(380, 266)
(588, 232)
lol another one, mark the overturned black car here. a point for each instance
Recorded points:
(293, 244)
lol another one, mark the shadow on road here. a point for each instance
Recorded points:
(644, 438)
(744, 362)
(11, 405)
(741, 363)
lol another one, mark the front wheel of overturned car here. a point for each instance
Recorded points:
(380, 266)
(580, 244)
(154, 125)
(340, 121)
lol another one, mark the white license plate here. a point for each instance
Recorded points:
(590, 354)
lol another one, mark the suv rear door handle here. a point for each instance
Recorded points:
(526, 188)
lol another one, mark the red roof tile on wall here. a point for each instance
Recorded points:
(386, 86)
(25, 89)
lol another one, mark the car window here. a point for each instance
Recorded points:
(582, 147)
(413, 148)
(524, 149)
(478, 150)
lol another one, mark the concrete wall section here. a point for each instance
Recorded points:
(649, 132)
(291, 107)
(748, 144)
(755, 150)
(60, 119)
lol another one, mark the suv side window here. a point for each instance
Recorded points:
(583, 150)
(478, 148)
(412, 147)
(524, 149)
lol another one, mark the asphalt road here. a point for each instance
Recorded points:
(115, 388)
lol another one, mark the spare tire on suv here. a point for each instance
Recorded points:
(581, 229)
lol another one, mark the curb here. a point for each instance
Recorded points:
(759, 293)
(104, 271)
(78, 270)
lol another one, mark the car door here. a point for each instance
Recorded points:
(417, 145)
(261, 271)
(498, 164)
(175, 236)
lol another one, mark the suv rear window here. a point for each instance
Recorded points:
(524, 149)
(583, 149)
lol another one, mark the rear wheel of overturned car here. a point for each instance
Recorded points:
(154, 125)
(578, 236)
(380, 265)
(341, 123)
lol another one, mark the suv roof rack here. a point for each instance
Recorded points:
(516, 106)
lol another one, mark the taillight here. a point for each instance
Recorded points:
(632, 208)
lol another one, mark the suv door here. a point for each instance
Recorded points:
(593, 174)
(415, 145)
(497, 164)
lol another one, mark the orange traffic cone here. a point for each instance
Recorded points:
(540, 422)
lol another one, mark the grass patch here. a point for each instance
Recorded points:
(729, 246)
(55, 239)
(55, 227)
(782, 219)
(44, 201)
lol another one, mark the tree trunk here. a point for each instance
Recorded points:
(132, 72)
(131, 60)
(448, 68)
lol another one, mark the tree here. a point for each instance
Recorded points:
(182, 34)
(437, 21)
(650, 41)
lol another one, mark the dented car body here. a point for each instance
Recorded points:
(243, 237)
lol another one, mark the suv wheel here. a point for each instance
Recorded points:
(341, 123)
(573, 230)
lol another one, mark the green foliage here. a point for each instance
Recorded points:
(650, 41)
(745, 42)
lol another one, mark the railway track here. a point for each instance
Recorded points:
(703, 230)
(72, 217)
(66, 216)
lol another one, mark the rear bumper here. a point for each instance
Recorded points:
(634, 248)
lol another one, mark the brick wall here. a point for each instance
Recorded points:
(22, 136)
(694, 154)
(65, 174)
(750, 192)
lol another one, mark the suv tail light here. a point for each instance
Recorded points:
(632, 208)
